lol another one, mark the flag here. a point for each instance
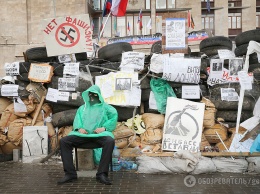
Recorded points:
(139, 21)
(119, 7)
(208, 5)
(189, 19)
(192, 24)
(149, 24)
(107, 7)
(128, 28)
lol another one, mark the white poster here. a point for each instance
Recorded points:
(175, 33)
(52, 95)
(132, 60)
(35, 142)
(71, 69)
(67, 84)
(9, 90)
(226, 54)
(229, 94)
(157, 62)
(64, 96)
(127, 95)
(67, 35)
(183, 125)
(12, 69)
(184, 70)
(190, 92)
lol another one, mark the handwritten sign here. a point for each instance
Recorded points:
(226, 54)
(12, 69)
(183, 125)
(63, 96)
(9, 90)
(182, 70)
(67, 84)
(40, 72)
(52, 95)
(133, 60)
(190, 92)
(175, 33)
(71, 68)
(67, 35)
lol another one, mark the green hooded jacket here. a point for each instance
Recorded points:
(90, 117)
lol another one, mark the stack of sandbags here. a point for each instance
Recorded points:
(12, 123)
(211, 133)
(209, 113)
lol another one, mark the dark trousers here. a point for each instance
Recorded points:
(67, 144)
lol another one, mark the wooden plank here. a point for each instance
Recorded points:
(38, 110)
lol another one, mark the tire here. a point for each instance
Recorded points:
(213, 50)
(23, 77)
(24, 67)
(64, 118)
(248, 103)
(216, 41)
(22, 92)
(71, 103)
(241, 50)
(231, 116)
(145, 83)
(56, 108)
(156, 47)
(253, 58)
(39, 54)
(125, 113)
(81, 56)
(113, 52)
(247, 36)
(255, 69)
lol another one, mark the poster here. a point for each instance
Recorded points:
(175, 33)
(35, 142)
(12, 69)
(9, 90)
(183, 125)
(127, 95)
(183, 70)
(132, 60)
(67, 35)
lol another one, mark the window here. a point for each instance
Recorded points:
(147, 4)
(234, 20)
(258, 19)
(171, 4)
(207, 21)
(161, 4)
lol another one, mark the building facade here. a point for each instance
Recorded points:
(20, 24)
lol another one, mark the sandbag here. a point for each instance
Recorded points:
(211, 135)
(209, 113)
(152, 136)
(64, 131)
(153, 121)
(134, 141)
(30, 107)
(205, 165)
(121, 143)
(4, 102)
(9, 147)
(47, 110)
(238, 165)
(204, 142)
(7, 117)
(253, 164)
(122, 131)
(3, 139)
(15, 130)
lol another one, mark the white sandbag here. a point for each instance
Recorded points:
(238, 165)
(150, 165)
(253, 164)
(182, 162)
(205, 165)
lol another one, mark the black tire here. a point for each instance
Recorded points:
(241, 50)
(22, 92)
(255, 69)
(216, 41)
(245, 37)
(39, 54)
(23, 77)
(125, 113)
(24, 67)
(253, 58)
(145, 83)
(81, 56)
(56, 108)
(64, 118)
(231, 116)
(156, 47)
(248, 103)
(113, 52)
(213, 50)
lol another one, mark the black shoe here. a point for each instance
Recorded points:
(67, 179)
(102, 178)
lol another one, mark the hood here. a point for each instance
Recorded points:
(94, 89)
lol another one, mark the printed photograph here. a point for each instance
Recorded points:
(123, 83)
(235, 65)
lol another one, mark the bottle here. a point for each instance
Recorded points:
(116, 159)
(128, 165)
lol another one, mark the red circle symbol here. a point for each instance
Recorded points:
(64, 37)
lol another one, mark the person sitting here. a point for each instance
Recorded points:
(92, 128)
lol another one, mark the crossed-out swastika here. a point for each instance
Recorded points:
(67, 35)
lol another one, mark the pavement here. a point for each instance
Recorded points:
(18, 177)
